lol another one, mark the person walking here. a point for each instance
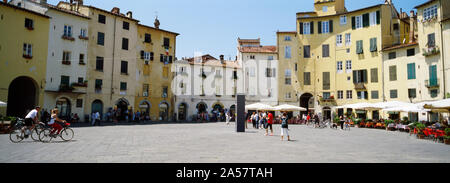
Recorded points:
(284, 127)
(93, 118)
(316, 121)
(269, 124)
(253, 120)
(227, 116)
(98, 118)
(342, 121)
(257, 120)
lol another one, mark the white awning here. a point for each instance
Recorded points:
(287, 107)
(259, 107)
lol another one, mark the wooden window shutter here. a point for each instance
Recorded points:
(311, 25)
(331, 26)
(366, 20)
(374, 75)
(301, 27)
(353, 23)
(142, 54)
(355, 77)
(378, 17)
(319, 25)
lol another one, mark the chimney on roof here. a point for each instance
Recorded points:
(116, 11)
(130, 14)
(222, 60)
(412, 26)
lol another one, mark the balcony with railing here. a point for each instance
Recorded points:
(432, 83)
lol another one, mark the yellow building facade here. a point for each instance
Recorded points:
(156, 53)
(288, 80)
(340, 59)
(23, 56)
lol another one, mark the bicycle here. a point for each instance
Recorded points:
(20, 132)
(66, 134)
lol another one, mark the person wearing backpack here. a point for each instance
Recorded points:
(284, 127)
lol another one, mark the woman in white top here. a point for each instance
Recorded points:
(54, 122)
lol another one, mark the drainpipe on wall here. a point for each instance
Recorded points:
(442, 52)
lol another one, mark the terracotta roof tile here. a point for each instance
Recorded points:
(260, 49)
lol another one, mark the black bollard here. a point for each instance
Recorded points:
(240, 110)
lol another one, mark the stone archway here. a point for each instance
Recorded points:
(22, 96)
(182, 111)
(305, 101)
(65, 108)
(122, 108)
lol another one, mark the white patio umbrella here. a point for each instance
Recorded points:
(259, 107)
(363, 105)
(2, 104)
(438, 105)
(392, 104)
(406, 109)
(287, 107)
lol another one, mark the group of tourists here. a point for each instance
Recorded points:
(265, 120)
(216, 116)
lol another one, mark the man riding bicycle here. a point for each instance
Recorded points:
(32, 118)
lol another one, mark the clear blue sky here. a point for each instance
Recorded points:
(213, 26)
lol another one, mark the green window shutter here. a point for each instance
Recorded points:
(319, 25)
(311, 25)
(331, 26)
(364, 76)
(433, 75)
(373, 44)
(353, 23)
(355, 75)
(301, 28)
(412, 71)
(393, 73)
(326, 80)
(366, 20)
(378, 17)
(359, 47)
(374, 75)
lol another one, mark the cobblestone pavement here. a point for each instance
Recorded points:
(217, 142)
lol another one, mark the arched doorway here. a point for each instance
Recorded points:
(97, 106)
(64, 107)
(326, 113)
(122, 109)
(144, 107)
(305, 101)
(182, 112)
(201, 107)
(22, 96)
(163, 111)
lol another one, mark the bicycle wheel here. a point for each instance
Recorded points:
(35, 133)
(16, 135)
(44, 136)
(67, 134)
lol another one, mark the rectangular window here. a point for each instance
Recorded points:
(373, 44)
(410, 52)
(359, 47)
(124, 43)
(392, 55)
(349, 94)
(393, 73)
(123, 86)
(165, 92)
(67, 31)
(411, 71)
(360, 76)
(124, 67)
(98, 84)
(65, 80)
(307, 78)
(287, 95)
(430, 12)
(326, 50)
(29, 24)
(66, 57)
(431, 41)
(343, 20)
(348, 66)
(295, 67)
(348, 39)
(83, 33)
(326, 95)
(287, 75)
(126, 25)
(306, 28)
(287, 52)
(166, 42)
(412, 93)
(434, 93)
(306, 51)
(287, 38)
(148, 38)
(339, 67)
(79, 103)
(101, 38)
(80, 80)
(373, 18)
(359, 22)
(27, 50)
(326, 80)
(374, 95)
(340, 94)
(362, 95)
(102, 19)
(339, 40)
(325, 27)
(145, 88)
(99, 64)
(393, 93)
(366, 20)
(271, 57)
(374, 75)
